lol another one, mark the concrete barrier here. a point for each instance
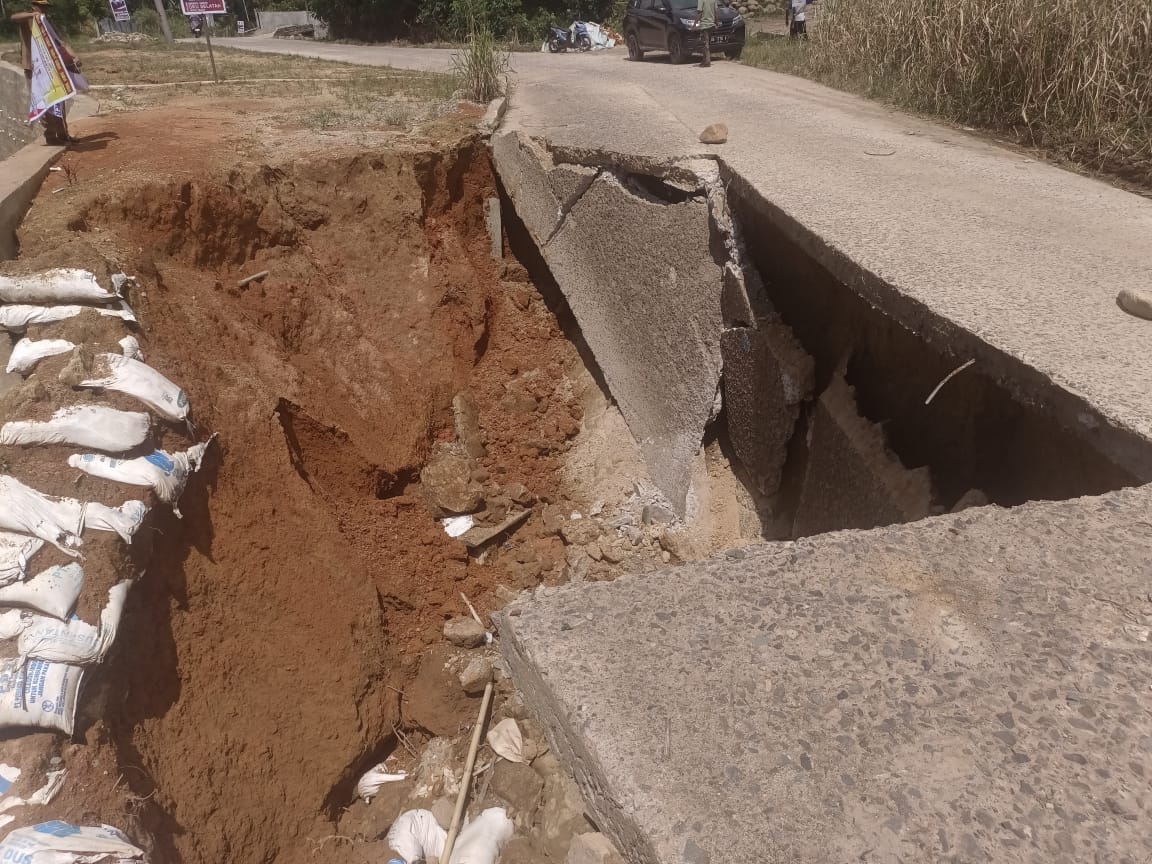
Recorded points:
(14, 129)
(269, 21)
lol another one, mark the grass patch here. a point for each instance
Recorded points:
(482, 66)
(1073, 77)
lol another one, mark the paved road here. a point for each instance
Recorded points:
(1025, 256)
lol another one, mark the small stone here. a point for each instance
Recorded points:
(519, 787)
(476, 675)
(447, 482)
(714, 133)
(580, 532)
(518, 402)
(464, 633)
(1138, 303)
(443, 809)
(665, 556)
(592, 848)
(505, 595)
(656, 514)
(519, 493)
(611, 553)
(593, 550)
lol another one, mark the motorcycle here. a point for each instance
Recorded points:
(196, 26)
(561, 40)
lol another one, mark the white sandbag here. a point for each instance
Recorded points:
(130, 348)
(16, 550)
(59, 521)
(53, 783)
(51, 592)
(62, 843)
(374, 778)
(166, 473)
(144, 383)
(481, 840)
(38, 694)
(73, 642)
(12, 624)
(124, 520)
(416, 836)
(54, 286)
(18, 318)
(28, 352)
(95, 426)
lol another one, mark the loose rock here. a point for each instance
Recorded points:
(519, 787)
(715, 133)
(464, 633)
(447, 482)
(592, 848)
(657, 514)
(580, 532)
(477, 673)
(1136, 303)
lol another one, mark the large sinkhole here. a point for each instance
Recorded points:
(396, 368)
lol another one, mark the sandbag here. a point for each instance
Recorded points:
(51, 592)
(74, 642)
(38, 694)
(62, 843)
(95, 426)
(18, 318)
(12, 624)
(16, 550)
(28, 352)
(416, 836)
(130, 348)
(54, 286)
(141, 381)
(61, 521)
(166, 473)
(369, 784)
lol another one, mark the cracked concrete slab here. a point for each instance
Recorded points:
(852, 480)
(634, 257)
(966, 688)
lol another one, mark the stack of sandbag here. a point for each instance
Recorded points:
(44, 646)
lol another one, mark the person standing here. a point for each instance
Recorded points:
(54, 120)
(799, 26)
(705, 25)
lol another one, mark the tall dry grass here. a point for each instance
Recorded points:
(1075, 75)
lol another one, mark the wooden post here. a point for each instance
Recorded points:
(163, 20)
(211, 56)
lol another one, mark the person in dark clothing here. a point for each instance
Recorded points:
(706, 23)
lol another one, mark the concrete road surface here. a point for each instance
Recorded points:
(947, 232)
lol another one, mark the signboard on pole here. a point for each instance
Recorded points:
(203, 7)
(120, 10)
(239, 28)
(51, 84)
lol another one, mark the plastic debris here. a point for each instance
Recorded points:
(374, 778)
(506, 740)
(454, 526)
(416, 836)
(63, 843)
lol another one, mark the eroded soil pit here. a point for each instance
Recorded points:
(287, 633)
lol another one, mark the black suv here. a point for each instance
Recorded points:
(670, 25)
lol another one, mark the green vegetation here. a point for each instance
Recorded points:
(1071, 76)
(481, 66)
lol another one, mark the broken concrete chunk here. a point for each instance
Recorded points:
(714, 133)
(518, 786)
(767, 375)
(476, 675)
(1138, 303)
(464, 633)
(483, 534)
(853, 480)
(580, 532)
(592, 848)
(447, 481)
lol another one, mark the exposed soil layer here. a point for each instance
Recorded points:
(263, 656)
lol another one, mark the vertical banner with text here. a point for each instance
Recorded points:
(51, 83)
(120, 10)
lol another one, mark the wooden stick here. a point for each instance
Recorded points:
(948, 378)
(466, 780)
(255, 277)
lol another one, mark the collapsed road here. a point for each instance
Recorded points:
(963, 676)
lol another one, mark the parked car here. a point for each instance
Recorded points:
(670, 25)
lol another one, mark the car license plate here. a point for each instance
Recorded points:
(718, 40)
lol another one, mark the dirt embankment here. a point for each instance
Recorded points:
(261, 664)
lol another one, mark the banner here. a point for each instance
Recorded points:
(203, 7)
(120, 10)
(51, 83)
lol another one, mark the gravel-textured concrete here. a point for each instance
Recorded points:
(968, 688)
(987, 252)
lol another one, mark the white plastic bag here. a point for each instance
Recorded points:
(73, 642)
(144, 383)
(16, 550)
(28, 352)
(38, 694)
(505, 739)
(53, 783)
(166, 473)
(52, 592)
(95, 426)
(374, 778)
(20, 317)
(416, 836)
(54, 286)
(62, 843)
(130, 347)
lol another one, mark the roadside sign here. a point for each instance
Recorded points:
(203, 7)
(120, 10)
(239, 28)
